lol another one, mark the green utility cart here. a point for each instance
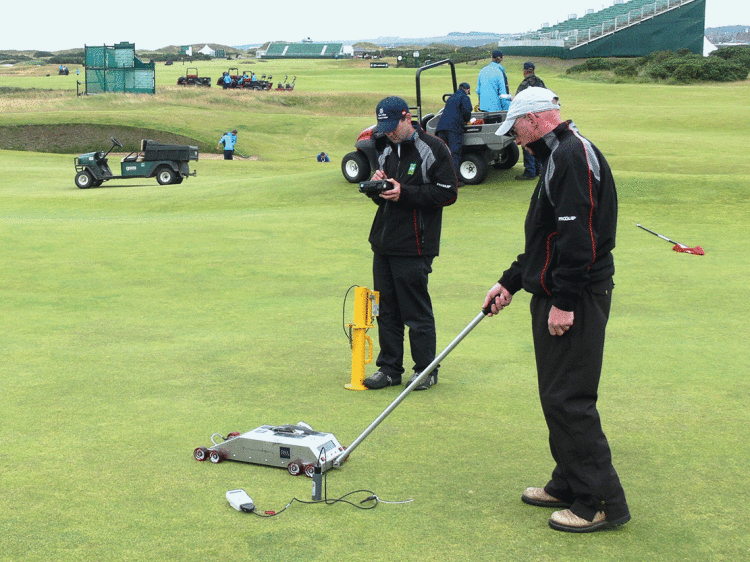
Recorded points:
(168, 163)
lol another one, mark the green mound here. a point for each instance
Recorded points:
(78, 138)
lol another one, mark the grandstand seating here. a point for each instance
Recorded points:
(624, 29)
(607, 20)
(303, 50)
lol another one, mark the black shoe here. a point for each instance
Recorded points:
(525, 177)
(380, 380)
(427, 382)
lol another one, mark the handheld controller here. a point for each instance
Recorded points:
(240, 501)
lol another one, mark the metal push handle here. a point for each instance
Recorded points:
(431, 367)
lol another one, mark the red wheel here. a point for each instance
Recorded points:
(294, 468)
(216, 456)
(309, 470)
(200, 454)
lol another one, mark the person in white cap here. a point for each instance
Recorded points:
(567, 266)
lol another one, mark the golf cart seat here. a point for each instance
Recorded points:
(133, 157)
(136, 156)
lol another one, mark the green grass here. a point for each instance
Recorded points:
(139, 319)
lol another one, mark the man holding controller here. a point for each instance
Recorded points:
(567, 266)
(405, 237)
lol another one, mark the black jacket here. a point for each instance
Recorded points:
(411, 226)
(531, 81)
(571, 223)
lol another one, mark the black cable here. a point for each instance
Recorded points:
(371, 497)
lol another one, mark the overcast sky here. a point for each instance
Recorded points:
(152, 25)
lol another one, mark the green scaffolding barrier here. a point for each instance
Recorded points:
(115, 68)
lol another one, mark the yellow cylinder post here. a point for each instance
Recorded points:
(366, 303)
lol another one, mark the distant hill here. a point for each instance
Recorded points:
(735, 34)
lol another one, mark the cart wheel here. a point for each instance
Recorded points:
(216, 457)
(97, 183)
(200, 454)
(84, 180)
(294, 468)
(508, 158)
(309, 470)
(355, 167)
(165, 175)
(473, 169)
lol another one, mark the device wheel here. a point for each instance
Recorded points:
(508, 158)
(309, 470)
(200, 454)
(355, 167)
(178, 179)
(165, 175)
(84, 180)
(97, 183)
(294, 468)
(473, 169)
(215, 457)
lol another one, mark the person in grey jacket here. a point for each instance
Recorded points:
(405, 238)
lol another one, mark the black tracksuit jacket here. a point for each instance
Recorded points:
(411, 226)
(571, 222)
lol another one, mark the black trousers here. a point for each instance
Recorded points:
(404, 301)
(569, 368)
(455, 142)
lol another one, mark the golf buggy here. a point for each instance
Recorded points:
(168, 163)
(191, 78)
(482, 147)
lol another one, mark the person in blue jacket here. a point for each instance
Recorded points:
(227, 81)
(228, 141)
(451, 125)
(492, 85)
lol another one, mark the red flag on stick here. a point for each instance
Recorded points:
(697, 250)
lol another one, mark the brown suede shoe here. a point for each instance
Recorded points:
(540, 498)
(569, 522)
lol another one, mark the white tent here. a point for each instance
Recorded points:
(206, 50)
(708, 47)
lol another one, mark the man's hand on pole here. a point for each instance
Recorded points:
(499, 297)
